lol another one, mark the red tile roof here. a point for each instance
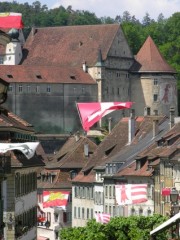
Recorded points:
(132, 171)
(9, 120)
(74, 44)
(62, 180)
(44, 74)
(71, 155)
(149, 59)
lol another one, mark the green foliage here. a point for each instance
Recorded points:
(119, 228)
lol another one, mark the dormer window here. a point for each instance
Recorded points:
(39, 76)
(10, 76)
(73, 77)
(108, 151)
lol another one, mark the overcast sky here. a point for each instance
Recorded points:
(112, 8)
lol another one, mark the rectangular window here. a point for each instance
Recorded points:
(82, 213)
(79, 214)
(1, 60)
(106, 191)
(28, 88)
(75, 192)
(155, 97)
(37, 89)
(87, 213)
(87, 192)
(110, 191)
(155, 81)
(48, 89)
(114, 211)
(75, 212)
(20, 88)
(10, 88)
(91, 213)
(106, 209)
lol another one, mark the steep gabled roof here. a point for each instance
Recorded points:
(9, 122)
(149, 59)
(42, 74)
(72, 154)
(70, 45)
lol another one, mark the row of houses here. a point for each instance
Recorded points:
(138, 150)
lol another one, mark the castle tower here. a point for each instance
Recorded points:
(153, 82)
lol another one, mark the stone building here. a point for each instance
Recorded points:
(64, 65)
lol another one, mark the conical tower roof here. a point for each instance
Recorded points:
(149, 59)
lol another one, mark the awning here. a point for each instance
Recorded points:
(164, 225)
(42, 238)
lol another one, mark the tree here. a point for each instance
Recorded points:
(119, 228)
(147, 20)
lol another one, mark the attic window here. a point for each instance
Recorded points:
(107, 152)
(73, 77)
(10, 76)
(39, 76)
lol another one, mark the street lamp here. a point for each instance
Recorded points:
(174, 196)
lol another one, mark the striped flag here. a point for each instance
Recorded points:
(131, 193)
(11, 20)
(102, 217)
(90, 113)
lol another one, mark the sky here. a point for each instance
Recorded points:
(112, 8)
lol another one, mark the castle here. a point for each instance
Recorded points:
(59, 66)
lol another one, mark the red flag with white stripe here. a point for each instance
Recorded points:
(102, 217)
(131, 193)
(11, 20)
(90, 113)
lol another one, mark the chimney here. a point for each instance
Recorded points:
(84, 66)
(155, 127)
(172, 113)
(131, 126)
(33, 31)
(110, 124)
(77, 136)
(86, 150)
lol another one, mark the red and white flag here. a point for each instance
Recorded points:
(11, 20)
(131, 193)
(102, 217)
(90, 113)
(55, 198)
